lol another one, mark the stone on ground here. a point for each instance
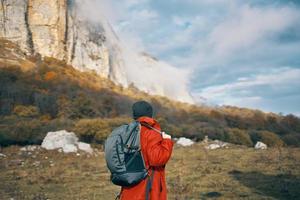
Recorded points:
(29, 148)
(213, 146)
(260, 145)
(2, 155)
(185, 141)
(216, 144)
(65, 141)
(60, 139)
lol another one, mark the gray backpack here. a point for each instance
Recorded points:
(123, 155)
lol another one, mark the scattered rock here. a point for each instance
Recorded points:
(260, 145)
(30, 148)
(213, 146)
(2, 155)
(221, 143)
(185, 141)
(51, 163)
(36, 163)
(216, 144)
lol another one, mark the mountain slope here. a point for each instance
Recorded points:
(38, 95)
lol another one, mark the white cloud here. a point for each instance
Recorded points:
(130, 3)
(248, 25)
(239, 92)
(144, 14)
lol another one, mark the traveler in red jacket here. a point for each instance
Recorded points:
(156, 151)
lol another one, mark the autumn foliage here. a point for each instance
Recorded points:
(55, 96)
(50, 76)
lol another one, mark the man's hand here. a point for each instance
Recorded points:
(166, 136)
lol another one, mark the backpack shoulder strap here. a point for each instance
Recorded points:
(150, 127)
(149, 184)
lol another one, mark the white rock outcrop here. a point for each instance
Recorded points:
(67, 141)
(260, 145)
(185, 142)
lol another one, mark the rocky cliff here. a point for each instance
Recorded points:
(57, 29)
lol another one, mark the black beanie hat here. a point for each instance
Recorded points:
(141, 108)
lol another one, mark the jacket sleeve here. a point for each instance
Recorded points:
(159, 150)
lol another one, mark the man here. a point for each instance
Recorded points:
(156, 151)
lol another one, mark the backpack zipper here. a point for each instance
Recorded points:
(117, 149)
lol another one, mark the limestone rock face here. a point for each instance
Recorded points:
(14, 22)
(55, 29)
(58, 29)
(47, 23)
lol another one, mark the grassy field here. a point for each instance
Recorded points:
(192, 173)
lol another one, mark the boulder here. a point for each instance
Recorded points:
(260, 145)
(60, 139)
(66, 142)
(185, 141)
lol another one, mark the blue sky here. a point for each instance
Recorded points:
(238, 52)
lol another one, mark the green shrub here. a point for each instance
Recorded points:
(238, 136)
(22, 132)
(26, 111)
(213, 133)
(267, 137)
(292, 139)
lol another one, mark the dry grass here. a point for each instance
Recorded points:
(193, 173)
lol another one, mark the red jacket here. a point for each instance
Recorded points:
(156, 152)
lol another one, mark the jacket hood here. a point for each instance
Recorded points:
(147, 120)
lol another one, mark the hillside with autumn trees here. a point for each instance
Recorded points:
(38, 95)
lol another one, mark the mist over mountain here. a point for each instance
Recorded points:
(70, 30)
